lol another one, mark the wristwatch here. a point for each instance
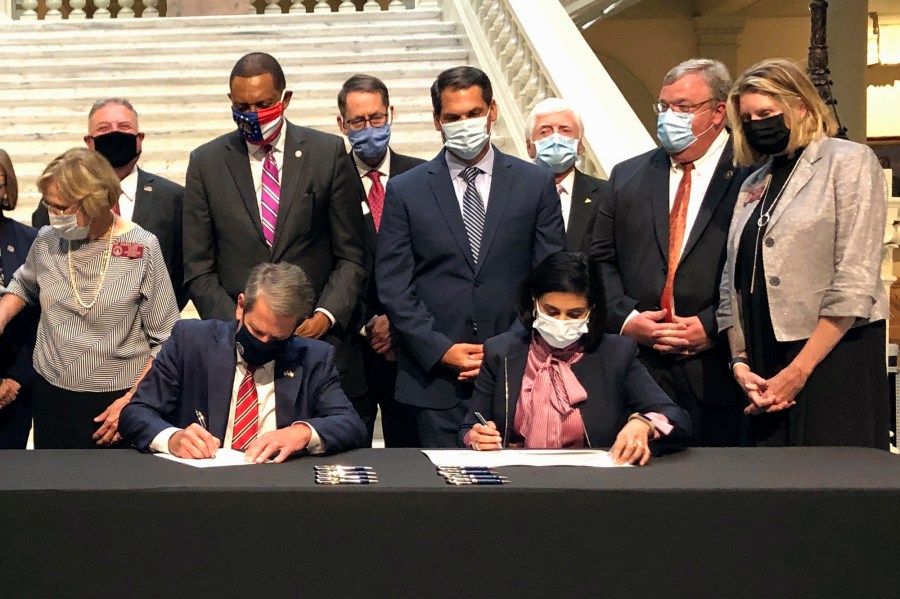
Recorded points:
(737, 360)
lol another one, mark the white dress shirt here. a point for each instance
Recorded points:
(482, 181)
(384, 169)
(701, 176)
(129, 193)
(565, 197)
(264, 377)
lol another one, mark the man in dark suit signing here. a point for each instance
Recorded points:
(149, 200)
(366, 115)
(272, 191)
(248, 384)
(457, 237)
(553, 134)
(661, 238)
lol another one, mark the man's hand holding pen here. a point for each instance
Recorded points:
(194, 442)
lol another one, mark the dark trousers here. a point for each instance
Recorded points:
(398, 421)
(15, 422)
(703, 386)
(440, 428)
(64, 419)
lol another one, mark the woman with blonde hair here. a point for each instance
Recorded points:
(801, 294)
(106, 304)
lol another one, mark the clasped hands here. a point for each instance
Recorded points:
(195, 442)
(465, 359)
(9, 390)
(685, 336)
(772, 395)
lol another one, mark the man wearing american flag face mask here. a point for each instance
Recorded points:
(273, 191)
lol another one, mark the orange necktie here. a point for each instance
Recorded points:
(677, 225)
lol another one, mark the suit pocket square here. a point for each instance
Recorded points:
(365, 207)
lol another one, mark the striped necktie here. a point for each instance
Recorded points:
(677, 226)
(473, 210)
(246, 412)
(271, 191)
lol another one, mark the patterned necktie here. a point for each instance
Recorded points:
(271, 191)
(376, 197)
(246, 412)
(677, 225)
(560, 190)
(473, 210)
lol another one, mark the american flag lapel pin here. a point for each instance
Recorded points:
(289, 374)
(148, 188)
(587, 200)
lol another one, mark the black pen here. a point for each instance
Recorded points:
(345, 468)
(478, 478)
(481, 418)
(454, 481)
(201, 419)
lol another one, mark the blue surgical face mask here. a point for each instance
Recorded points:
(675, 130)
(556, 152)
(66, 226)
(466, 138)
(370, 142)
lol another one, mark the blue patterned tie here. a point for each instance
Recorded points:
(473, 210)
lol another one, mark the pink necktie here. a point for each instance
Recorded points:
(271, 191)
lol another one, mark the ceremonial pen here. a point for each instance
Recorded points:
(201, 419)
(481, 418)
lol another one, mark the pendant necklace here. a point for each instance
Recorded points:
(763, 221)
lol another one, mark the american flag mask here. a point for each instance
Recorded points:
(260, 127)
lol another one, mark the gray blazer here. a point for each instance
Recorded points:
(822, 249)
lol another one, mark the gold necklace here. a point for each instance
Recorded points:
(103, 269)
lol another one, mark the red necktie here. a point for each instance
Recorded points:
(246, 412)
(677, 225)
(376, 197)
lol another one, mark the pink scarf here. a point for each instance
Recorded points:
(547, 414)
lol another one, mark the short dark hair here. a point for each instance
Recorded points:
(256, 64)
(567, 272)
(362, 83)
(460, 78)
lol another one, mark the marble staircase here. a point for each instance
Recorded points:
(175, 72)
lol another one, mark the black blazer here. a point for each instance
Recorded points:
(616, 382)
(157, 208)
(433, 292)
(319, 227)
(587, 193)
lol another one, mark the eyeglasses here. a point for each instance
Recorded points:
(359, 123)
(52, 209)
(659, 107)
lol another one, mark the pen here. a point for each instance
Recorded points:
(478, 477)
(481, 418)
(201, 419)
(459, 482)
(479, 469)
(346, 468)
(346, 482)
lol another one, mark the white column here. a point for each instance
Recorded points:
(150, 11)
(396, 5)
(296, 6)
(346, 6)
(125, 9)
(102, 11)
(28, 10)
(717, 37)
(77, 9)
(272, 7)
(371, 6)
(53, 12)
(321, 6)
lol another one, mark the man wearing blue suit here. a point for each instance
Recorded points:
(248, 385)
(458, 234)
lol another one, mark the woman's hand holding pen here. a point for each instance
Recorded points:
(193, 442)
(484, 436)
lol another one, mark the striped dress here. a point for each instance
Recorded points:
(106, 347)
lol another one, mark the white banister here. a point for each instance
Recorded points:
(125, 9)
(346, 6)
(371, 6)
(53, 12)
(102, 11)
(29, 12)
(533, 50)
(321, 6)
(150, 11)
(77, 9)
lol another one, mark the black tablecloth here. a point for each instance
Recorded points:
(702, 523)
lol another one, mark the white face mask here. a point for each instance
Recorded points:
(66, 226)
(559, 333)
(466, 138)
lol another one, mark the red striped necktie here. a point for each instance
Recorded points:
(271, 191)
(246, 412)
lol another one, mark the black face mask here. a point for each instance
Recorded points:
(256, 352)
(117, 147)
(768, 136)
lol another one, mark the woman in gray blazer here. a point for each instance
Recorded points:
(801, 295)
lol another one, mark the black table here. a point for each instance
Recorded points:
(761, 523)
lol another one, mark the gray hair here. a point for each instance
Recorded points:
(104, 102)
(286, 287)
(714, 73)
(551, 106)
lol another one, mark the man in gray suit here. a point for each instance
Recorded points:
(151, 201)
(272, 191)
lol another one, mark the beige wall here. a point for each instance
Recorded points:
(785, 37)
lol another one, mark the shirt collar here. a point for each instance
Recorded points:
(486, 164)
(568, 182)
(129, 184)
(706, 164)
(384, 167)
(257, 152)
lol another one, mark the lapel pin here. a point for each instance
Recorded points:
(729, 174)
(298, 154)
(10, 249)
(289, 374)
(587, 200)
(148, 188)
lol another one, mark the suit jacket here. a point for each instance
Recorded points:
(587, 193)
(616, 382)
(195, 371)
(157, 208)
(17, 341)
(631, 240)
(319, 225)
(433, 292)
(822, 247)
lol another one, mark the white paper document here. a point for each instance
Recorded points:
(223, 457)
(594, 458)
